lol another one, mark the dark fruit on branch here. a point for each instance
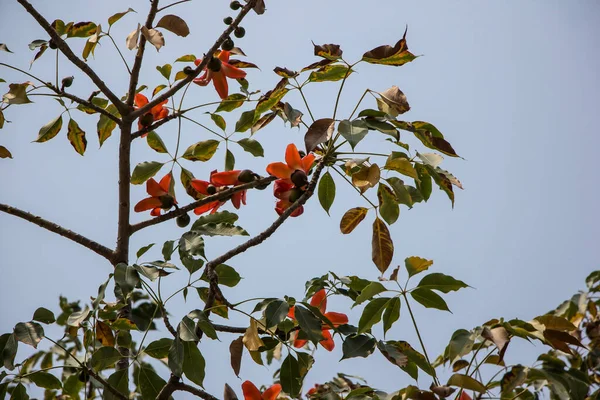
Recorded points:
(83, 376)
(239, 32)
(235, 5)
(299, 178)
(183, 220)
(228, 20)
(214, 64)
(67, 82)
(188, 70)
(52, 44)
(295, 194)
(246, 176)
(227, 44)
(211, 189)
(167, 201)
(146, 119)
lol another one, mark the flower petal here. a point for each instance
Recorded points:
(224, 56)
(197, 61)
(155, 212)
(292, 312)
(251, 392)
(336, 319)
(207, 207)
(146, 204)
(282, 189)
(307, 162)
(165, 182)
(272, 392)
(292, 157)
(154, 188)
(140, 100)
(328, 342)
(280, 170)
(232, 72)
(200, 186)
(225, 178)
(299, 342)
(320, 300)
(236, 199)
(220, 82)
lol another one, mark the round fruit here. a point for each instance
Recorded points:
(214, 64)
(227, 44)
(235, 5)
(228, 20)
(68, 81)
(239, 32)
(52, 45)
(246, 176)
(211, 189)
(188, 70)
(183, 220)
(146, 119)
(299, 178)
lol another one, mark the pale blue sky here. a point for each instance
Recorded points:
(513, 85)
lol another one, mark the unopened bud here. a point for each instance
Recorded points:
(68, 81)
(188, 70)
(227, 44)
(295, 194)
(167, 201)
(246, 176)
(299, 178)
(211, 189)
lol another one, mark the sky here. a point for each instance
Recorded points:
(512, 85)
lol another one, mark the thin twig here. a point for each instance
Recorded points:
(225, 194)
(155, 125)
(171, 5)
(66, 50)
(195, 391)
(142, 110)
(52, 227)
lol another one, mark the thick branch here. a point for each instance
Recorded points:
(86, 103)
(123, 228)
(225, 194)
(239, 329)
(66, 50)
(155, 125)
(169, 93)
(197, 392)
(137, 64)
(52, 227)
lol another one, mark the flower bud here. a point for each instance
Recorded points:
(246, 176)
(183, 220)
(146, 119)
(68, 81)
(52, 44)
(235, 5)
(167, 201)
(211, 189)
(214, 64)
(299, 178)
(239, 32)
(188, 70)
(227, 20)
(227, 44)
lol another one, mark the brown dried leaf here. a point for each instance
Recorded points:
(174, 24)
(319, 132)
(382, 246)
(104, 334)
(236, 349)
(132, 39)
(393, 102)
(367, 177)
(154, 37)
(352, 218)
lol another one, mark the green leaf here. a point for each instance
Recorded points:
(144, 171)
(372, 314)
(271, 99)
(165, 70)
(382, 246)
(149, 382)
(106, 125)
(232, 102)
(44, 315)
(126, 277)
(186, 58)
(158, 89)
(227, 275)
(466, 382)
(429, 299)
(353, 131)
(19, 393)
(400, 191)
(401, 165)
(176, 357)
(77, 317)
(289, 375)
(310, 325)
(371, 290)
(219, 121)
(105, 357)
(159, 348)
(415, 265)
(382, 127)
(330, 73)
(424, 181)
(388, 206)
(8, 350)
(245, 122)
(402, 353)
(252, 146)
(143, 250)
(187, 330)
(45, 380)
(352, 218)
(156, 143)
(326, 191)
(358, 346)
(201, 151)
(97, 101)
(77, 137)
(204, 323)
(222, 229)
(50, 130)
(229, 160)
(276, 312)
(30, 333)
(431, 137)
(441, 282)
(120, 381)
(115, 17)
(193, 363)
(216, 218)
(192, 244)
(391, 314)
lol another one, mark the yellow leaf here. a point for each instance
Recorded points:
(352, 218)
(251, 339)
(104, 334)
(366, 178)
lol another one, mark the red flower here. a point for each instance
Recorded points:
(251, 392)
(160, 196)
(287, 194)
(219, 180)
(320, 300)
(157, 112)
(219, 78)
(295, 168)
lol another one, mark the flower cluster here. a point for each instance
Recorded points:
(217, 71)
(161, 196)
(156, 113)
(293, 178)
(251, 392)
(219, 181)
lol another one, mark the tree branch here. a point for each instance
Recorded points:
(88, 104)
(106, 385)
(123, 228)
(169, 93)
(239, 329)
(155, 125)
(190, 389)
(66, 50)
(52, 227)
(139, 57)
(225, 194)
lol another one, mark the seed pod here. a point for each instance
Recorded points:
(146, 119)
(235, 5)
(246, 176)
(299, 178)
(211, 189)
(52, 44)
(67, 82)
(188, 70)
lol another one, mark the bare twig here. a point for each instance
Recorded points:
(155, 125)
(52, 227)
(239, 329)
(137, 64)
(195, 391)
(169, 93)
(66, 50)
(172, 4)
(225, 194)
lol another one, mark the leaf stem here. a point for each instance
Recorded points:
(304, 98)
(359, 101)
(120, 53)
(355, 188)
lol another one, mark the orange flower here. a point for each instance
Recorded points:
(219, 77)
(251, 392)
(156, 113)
(160, 196)
(219, 180)
(320, 300)
(295, 168)
(287, 194)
